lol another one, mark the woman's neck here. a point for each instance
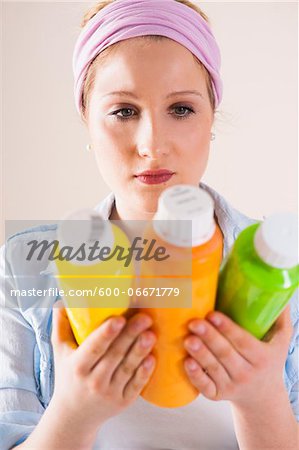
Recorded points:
(119, 212)
(131, 221)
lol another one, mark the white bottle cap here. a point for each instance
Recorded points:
(84, 226)
(181, 203)
(276, 240)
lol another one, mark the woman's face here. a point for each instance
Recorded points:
(152, 124)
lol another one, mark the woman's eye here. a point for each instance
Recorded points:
(182, 112)
(126, 113)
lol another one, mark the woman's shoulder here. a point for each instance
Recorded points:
(27, 253)
(28, 287)
(230, 220)
(18, 246)
(225, 212)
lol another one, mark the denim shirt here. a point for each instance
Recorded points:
(26, 356)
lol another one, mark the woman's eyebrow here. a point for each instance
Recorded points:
(172, 94)
(121, 93)
(192, 92)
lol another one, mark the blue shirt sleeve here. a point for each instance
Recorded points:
(291, 372)
(20, 408)
(15, 427)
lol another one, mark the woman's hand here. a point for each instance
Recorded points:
(226, 362)
(106, 373)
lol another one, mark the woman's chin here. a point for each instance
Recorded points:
(147, 202)
(146, 196)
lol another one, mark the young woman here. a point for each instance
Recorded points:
(147, 85)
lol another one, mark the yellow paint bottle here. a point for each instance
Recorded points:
(96, 284)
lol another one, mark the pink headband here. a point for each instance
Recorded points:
(124, 19)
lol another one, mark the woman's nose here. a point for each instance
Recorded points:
(151, 141)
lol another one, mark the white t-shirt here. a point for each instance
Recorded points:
(200, 425)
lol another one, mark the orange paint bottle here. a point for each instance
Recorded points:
(184, 224)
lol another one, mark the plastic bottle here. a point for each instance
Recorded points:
(107, 282)
(260, 274)
(169, 385)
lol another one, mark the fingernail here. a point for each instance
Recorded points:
(148, 363)
(216, 320)
(140, 324)
(118, 324)
(191, 365)
(199, 328)
(146, 340)
(193, 344)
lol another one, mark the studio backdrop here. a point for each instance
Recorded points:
(46, 168)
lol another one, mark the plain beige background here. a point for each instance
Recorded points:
(46, 169)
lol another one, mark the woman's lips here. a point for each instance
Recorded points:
(154, 176)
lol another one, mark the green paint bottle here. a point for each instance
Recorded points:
(260, 274)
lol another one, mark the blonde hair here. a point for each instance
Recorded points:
(91, 73)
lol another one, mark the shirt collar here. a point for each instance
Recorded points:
(229, 220)
(224, 216)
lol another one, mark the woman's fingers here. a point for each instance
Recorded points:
(118, 349)
(126, 369)
(140, 379)
(208, 362)
(97, 343)
(220, 348)
(249, 347)
(200, 378)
